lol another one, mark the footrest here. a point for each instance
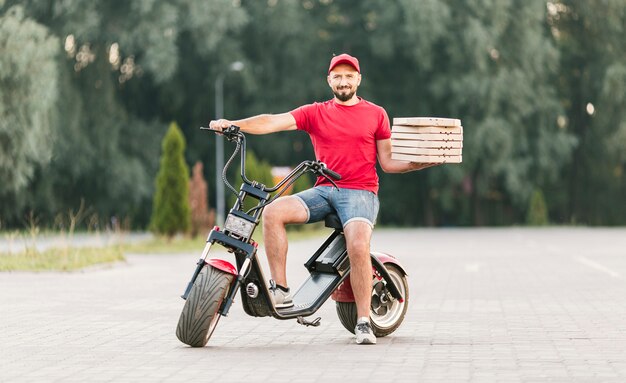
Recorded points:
(311, 295)
(315, 322)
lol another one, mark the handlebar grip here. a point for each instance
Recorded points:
(334, 175)
(229, 132)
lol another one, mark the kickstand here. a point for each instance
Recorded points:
(315, 322)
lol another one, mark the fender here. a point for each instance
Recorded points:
(222, 265)
(387, 258)
(344, 293)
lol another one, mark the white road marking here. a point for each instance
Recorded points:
(598, 266)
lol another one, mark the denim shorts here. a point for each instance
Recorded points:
(349, 204)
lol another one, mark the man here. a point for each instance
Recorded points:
(348, 134)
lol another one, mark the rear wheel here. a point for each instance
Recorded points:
(199, 316)
(386, 314)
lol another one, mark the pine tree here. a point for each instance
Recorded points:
(171, 213)
(537, 214)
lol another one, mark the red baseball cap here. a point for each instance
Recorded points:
(344, 59)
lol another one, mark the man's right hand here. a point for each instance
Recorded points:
(220, 124)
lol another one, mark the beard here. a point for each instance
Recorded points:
(344, 96)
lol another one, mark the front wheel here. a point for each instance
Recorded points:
(385, 315)
(200, 313)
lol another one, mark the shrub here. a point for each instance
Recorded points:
(256, 170)
(537, 212)
(171, 212)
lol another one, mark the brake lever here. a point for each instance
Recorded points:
(329, 179)
(318, 169)
(231, 133)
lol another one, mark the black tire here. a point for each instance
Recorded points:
(384, 317)
(199, 316)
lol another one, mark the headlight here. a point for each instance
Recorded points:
(239, 226)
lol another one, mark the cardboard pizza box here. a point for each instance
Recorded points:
(427, 144)
(426, 136)
(427, 151)
(427, 129)
(427, 159)
(426, 121)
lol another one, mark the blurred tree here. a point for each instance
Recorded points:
(256, 170)
(537, 214)
(28, 92)
(489, 63)
(302, 183)
(592, 85)
(171, 212)
(119, 56)
(529, 80)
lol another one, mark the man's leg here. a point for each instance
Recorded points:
(358, 235)
(284, 210)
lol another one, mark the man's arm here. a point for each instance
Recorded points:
(261, 124)
(394, 166)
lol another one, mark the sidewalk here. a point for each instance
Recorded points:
(486, 305)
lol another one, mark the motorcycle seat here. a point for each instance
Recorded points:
(332, 221)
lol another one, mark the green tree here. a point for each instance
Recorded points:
(256, 170)
(119, 78)
(171, 213)
(491, 64)
(28, 92)
(592, 85)
(302, 183)
(537, 214)
(529, 79)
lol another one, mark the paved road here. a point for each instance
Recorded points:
(510, 305)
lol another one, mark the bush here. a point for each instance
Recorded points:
(302, 183)
(171, 211)
(256, 170)
(537, 211)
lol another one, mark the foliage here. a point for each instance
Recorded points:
(537, 212)
(256, 170)
(61, 259)
(171, 212)
(539, 87)
(592, 85)
(28, 92)
(302, 183)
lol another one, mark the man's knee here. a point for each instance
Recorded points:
(358, 235)
(359, 250)
(272, 215)
(283, 211)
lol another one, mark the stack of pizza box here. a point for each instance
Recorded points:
(427, 140)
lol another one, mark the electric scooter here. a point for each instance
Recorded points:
(215, 282)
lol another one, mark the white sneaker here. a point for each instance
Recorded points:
(364, 333)
(280, 296)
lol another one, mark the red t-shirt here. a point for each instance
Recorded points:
(344, 137)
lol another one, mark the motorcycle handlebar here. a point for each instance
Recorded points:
(230, 133)
(334, 175)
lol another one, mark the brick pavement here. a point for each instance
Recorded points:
(510, 305)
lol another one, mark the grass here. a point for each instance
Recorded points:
(185, 244)
(60, 259)
(67, 258)
(164, 245)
